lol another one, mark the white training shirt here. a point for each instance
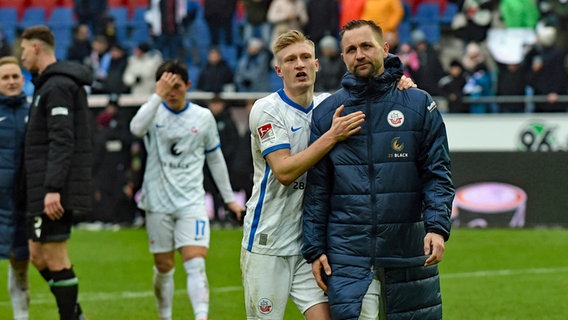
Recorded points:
(177, 143)
(273, 224)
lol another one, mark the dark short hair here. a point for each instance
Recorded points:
(39, 32)
(175, 67)
(355, 24)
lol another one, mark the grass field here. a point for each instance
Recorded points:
(486, 274)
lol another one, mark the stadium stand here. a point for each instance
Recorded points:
(9, 22)
(61, 18)
(19, 5)
(47, 5)
(32, 16)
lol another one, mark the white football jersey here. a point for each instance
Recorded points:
(176, 144)
(273, 224)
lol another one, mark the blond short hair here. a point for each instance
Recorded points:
(289, 38)
(9, 60)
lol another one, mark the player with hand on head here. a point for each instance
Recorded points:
(180, 137)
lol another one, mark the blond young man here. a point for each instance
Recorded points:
(273, 269)
(13, 240)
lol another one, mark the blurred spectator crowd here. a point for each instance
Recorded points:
(451, 48)
(463, 51)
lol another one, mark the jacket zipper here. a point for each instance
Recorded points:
(372, 184)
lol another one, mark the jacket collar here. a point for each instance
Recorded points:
(377, 85)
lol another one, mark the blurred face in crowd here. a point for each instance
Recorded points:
(297, 66)
(214, 56)
(11, 79)
(83, 32)
(363, 52)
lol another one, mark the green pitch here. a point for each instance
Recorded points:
(486, 274)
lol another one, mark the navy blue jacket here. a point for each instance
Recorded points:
(13, 115)
(371, 200)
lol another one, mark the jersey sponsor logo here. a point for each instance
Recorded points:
(174, 150)
(264, 306)
(158, 126)
(295, 129)
(265, 131)
(395, 118)
(59, 111)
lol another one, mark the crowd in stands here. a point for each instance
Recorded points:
(226, 43)
(454, 49)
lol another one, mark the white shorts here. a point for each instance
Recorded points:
(371, 301)
(270, 280)
(170, 231)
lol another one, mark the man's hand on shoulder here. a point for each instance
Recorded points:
(405, 83)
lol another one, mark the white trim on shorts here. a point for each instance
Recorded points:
(168, 232)
(270, 280)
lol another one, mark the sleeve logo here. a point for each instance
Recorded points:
(265, 131)
(59, 111)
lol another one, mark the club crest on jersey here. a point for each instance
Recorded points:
(265, 306)
(265, 131)
(395, 118)
(194, 130)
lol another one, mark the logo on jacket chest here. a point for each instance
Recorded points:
(397, 147)
(395, 118)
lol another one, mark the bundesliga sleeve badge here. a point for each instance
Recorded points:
(265, 132)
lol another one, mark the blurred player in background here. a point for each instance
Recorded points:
(180, 137)
(13, 241)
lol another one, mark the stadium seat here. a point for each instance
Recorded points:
(120, 15)
(60, 52)
(121, 22)
(48, 5)
(63, 37)
(116, 3)
(138, 34)
(67, 3)
(404, 29)
(61, 17)
(230, 53)
(449, 12)
(193, 75)
(275, 81)
(9, 22)
(426, 12)
(19, 5)
(138, 17)
(32, 16)
(133, 4)
(431, 31)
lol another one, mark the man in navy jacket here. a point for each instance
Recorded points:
(377, 207)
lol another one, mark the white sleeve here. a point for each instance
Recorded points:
(220, 174)
(143, 119)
